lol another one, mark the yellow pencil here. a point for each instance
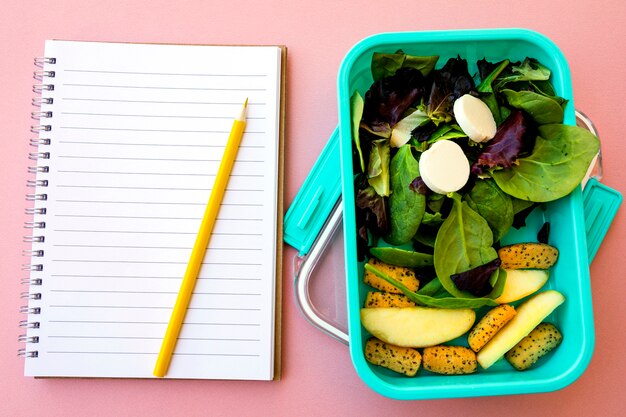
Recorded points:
(202, 241)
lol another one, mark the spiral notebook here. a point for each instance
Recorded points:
(129, 138)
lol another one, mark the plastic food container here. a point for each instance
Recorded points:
(317, 208)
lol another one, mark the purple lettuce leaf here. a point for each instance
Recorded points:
(374, 210)
(476, 280)
(448, 84)
(419, 186)
(389, 98)
(510, 141)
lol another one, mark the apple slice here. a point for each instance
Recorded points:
(417, 326)
(522, 282)
(529, 314)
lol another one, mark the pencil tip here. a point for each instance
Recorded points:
(244, 111)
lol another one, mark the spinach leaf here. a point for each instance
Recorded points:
(431, 219)
(378, 169)
(432, 288)
(426, 235)
(446, 131)
(428, 300)
(529, 70)
(542, 109)
(464, 241)
(555, 167)
(545, 88)
(402, 257)
(406, 207)
(493, 204)
(356, 106)
(521, 210)
(384, 65)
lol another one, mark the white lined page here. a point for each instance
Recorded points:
(137, 135)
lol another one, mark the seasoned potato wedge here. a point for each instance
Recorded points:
(403, 274)
(489, 325)
(449, 360)
(386, 299)
(528, 256)
(399, 359)
(541, 340)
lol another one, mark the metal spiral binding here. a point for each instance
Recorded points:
(30, 310)
(41, 60)
(36, 169)
(28, 353)
(40, 128)
(29, 324)
(40, 74)
(35, 197)
(35, 225)
(38, 115)
(33, 156)
(31, 211)
(32, 267)
(36, 183)
(31, 281)
(39, 141)
(36, 253)
(28, 339)
(38, 101)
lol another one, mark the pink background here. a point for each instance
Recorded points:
(318, 378)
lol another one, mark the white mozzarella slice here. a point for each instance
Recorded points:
(474, 118)
(444, 167)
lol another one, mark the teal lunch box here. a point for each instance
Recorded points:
(569, 219)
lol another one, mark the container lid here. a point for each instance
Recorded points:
(600, 205)
(315, 200)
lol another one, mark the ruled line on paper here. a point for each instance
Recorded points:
(156, 292)
(126, 158)
(156, 232)
(70, 171)
(250, 103)
(149, 87)
(187, 323)
(233, 339)
(117, 187)
(169, 307)
(165, 73)
(154, 247)
(174, 203)
(117, 261)
(154, 277)
(188, 145)
(221, 131)
(152, 353)
(96, 216)
(168, 116)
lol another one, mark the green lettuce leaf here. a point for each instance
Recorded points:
(384, 65)
(556, 166)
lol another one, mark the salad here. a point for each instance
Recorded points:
(442, 180)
